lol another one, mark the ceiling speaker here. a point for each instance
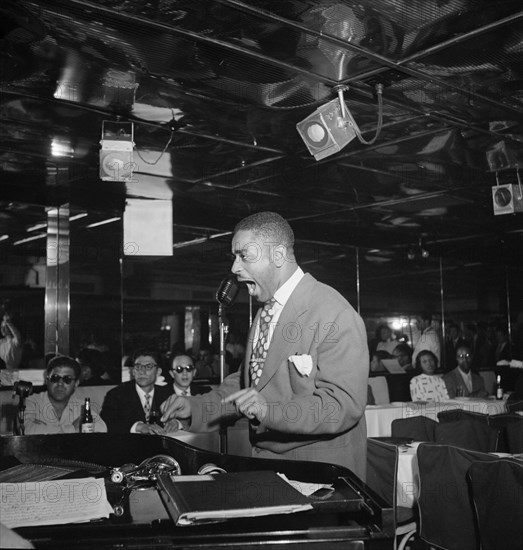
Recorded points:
(116, 165)
(507, 199)
(325, 131)
(116, 154)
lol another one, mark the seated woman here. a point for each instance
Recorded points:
(427, 386)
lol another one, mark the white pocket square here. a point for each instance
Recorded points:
(303, 363)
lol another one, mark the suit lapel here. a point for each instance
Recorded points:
(281, 346)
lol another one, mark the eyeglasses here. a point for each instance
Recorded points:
(55, 378)
(180, 368)
(148, 367)
(462, 355)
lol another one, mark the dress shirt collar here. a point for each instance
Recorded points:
(179, 391)
(287, 288)
(142, 394)
(467, 378)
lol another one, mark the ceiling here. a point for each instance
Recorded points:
(214, 90)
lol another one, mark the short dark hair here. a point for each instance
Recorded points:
(421, 354)
(141, 352)
(403, 349)
(463, 344)
(269, 225)
(63, 361)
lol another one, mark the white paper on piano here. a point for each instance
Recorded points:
(53, 502)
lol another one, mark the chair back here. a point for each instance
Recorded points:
(444, 501)
(382, 465)
(497, 492)
(418, 428)
(468, 433)
(452, 415)
(380, 389)
(510, 426)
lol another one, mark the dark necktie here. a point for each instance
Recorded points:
(262, 345)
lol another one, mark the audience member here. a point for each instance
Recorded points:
(206, 364)
(236, 349)
(483, 350)
(183, 372)
(403, 353)
(385, 340)
(10, 343)
(427, 386)
(461, 381)
(91, 367)
(429, 338)
(375, 362)
(502, 350)
(57, 410)
(452, 339)
(132, 406)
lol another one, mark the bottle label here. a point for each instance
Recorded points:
(87, 428)
(499, 393)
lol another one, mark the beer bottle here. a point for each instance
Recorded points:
(499, 388)
(86, 424)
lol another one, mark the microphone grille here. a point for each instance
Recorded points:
(227, 291)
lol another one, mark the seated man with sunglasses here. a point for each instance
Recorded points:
(183, 372)
(57, 410)
(134, 406)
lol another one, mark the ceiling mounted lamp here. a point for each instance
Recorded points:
(507, 198)
(331, 127)
(417, 250)
(116, 154)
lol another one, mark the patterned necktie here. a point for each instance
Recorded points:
(259, 353)
(147, 406)
(184, 393)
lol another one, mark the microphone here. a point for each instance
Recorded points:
(227, 291)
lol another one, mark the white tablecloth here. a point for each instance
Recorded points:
(408, 476)
(380, 417)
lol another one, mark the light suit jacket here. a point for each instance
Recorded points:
(319, 417)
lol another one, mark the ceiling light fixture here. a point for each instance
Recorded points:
(332, 126)
(78, 216)
(28, 239)
(103, 222)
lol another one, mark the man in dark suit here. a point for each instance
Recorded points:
(303, 384)
(131, 406)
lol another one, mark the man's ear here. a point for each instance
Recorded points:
(279, 255)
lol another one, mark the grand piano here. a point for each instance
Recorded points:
(351, 517)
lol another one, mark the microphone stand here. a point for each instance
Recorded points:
(224, 329)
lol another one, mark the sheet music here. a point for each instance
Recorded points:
(53, 502)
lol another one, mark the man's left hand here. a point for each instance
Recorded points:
(248, 402)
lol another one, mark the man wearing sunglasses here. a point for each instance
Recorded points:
(461, 381)
(57, 410)
(134, 406)
(183, 372)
